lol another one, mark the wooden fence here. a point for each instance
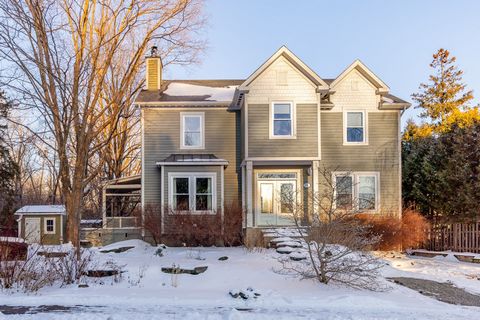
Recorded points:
(460, 237)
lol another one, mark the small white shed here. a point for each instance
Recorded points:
(44, 224)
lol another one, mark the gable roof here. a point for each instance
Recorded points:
(204, 92)
(230, 92)
(295, 61)
(42, 210)
(366, 72)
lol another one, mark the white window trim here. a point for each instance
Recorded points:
(365, 128)
(45, 231)
(202, 129)
(192, 190)
(293, 119)
(356, 186)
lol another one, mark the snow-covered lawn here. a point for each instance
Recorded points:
(145, 292)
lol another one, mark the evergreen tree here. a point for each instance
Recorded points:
(441, 175)
(444, 100)
(441, 170)
(8, 168)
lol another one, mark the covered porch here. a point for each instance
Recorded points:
(267, 186)
(122, 203)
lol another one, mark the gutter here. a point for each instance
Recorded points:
(184, 104)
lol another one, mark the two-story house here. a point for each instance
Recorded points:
(206, 143)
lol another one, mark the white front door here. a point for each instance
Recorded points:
(273, 197)
(32, 230)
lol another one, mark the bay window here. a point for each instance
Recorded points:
(193, 192)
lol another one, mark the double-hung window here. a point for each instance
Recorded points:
(193, 192)
(282, 120)
(354, 127)
(367, 192)
(49, 226)
(356, 191)
(192, 130)
(344, 191)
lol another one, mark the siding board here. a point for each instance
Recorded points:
(381, 154)
(260, 144)
(162, 138)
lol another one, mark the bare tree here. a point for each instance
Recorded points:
(59, 53)
(335, 245)
(37, 180)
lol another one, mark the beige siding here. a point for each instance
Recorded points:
(297, 86)
(355, 92)
(381, 154)
(260, 144)
(47, 239)
(162, 138)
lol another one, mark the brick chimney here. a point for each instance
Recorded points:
(154, 70)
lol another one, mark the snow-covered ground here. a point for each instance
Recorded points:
(145, 292)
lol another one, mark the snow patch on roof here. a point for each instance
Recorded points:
(215, 93)
(42, 210)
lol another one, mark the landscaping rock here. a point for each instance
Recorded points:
(194, 271)
(223, 258)
(101, 273)
(280, 239)
(159, 252)
(244, 294)
(297, 256)
(117, 250)
(292, 244)
(428, 254)
(285, 250)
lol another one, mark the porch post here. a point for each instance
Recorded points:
(222, 195)
(249, 189)
(244, 217)
(315, 185)
(104, 207)
(162, 198)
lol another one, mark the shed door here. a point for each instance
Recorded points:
(32, 230)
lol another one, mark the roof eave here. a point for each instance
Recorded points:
(192, 163)
(394, 106)
(297, 62)
(183, 104)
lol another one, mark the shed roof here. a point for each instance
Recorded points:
(192, 159)
(42, 210)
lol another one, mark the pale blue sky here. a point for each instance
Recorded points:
(396, 39)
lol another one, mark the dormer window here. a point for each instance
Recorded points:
(192, 130)
(282, 120)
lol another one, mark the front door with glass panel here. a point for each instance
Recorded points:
(276, 194)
